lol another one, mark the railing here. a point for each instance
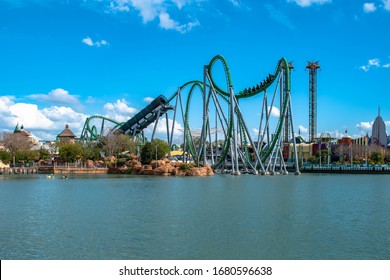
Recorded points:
(67, 165)
(355, 168)
(50, 168)
(19, 170)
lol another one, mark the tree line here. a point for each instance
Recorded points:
(18, 149)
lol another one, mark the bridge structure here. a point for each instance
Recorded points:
(212, 119)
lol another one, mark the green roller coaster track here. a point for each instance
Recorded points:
(282, 64)
(224, 94)
(92, 130)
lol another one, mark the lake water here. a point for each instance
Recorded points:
(219, 217)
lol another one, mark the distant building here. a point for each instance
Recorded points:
(66, 136)
(345, 141)
(379, 136)
(31, 138)
(361, 141)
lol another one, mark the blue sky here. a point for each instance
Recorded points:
(61, 61)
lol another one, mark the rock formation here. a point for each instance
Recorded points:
(162, 167)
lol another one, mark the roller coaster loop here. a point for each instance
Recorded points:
(229, 145)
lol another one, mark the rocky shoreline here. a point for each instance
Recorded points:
(162, 167)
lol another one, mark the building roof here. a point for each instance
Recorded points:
(67, 133)
(25, 133)
(20, 129)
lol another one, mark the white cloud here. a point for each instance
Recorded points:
(89, 42)
(375, 62)
(5, 102)
(369, 7)
(60, 116)
(167, 23)
(235, 2)
(162, 127)
(151, 9)
(118, 6)
(148, 99)
(29, 115)
(308, 3)
(275, 112)
(303, 129)
(58, 95)
(365, 127)
(179, 3)
(119, 111)
(161, 130)
(45, 123)
(386, 4)
(148, 9)
(57, 114)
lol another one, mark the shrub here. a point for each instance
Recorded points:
(155, 150)
(5, 157)
(71, 152)
(186, 166)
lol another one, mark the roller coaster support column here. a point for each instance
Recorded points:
(168, 134)
(204, 132)
(240, 117)
(174, 120)
(297, 172)
(185, 127)
(155, 125)
(235, 148)
(102, 128)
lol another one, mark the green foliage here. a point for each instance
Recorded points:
(5, 157)
(27, 155)
(162, 147)
(324, 156)
(91, 151)
(313, 159)
(155, 150)
(121, 161)
(114, 144)
(44, 154)
(147, 153)
(15, 142)
(376, 157)
(71, 152)
(186, 166)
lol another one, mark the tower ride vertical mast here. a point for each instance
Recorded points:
(287, 124)
(312, 66)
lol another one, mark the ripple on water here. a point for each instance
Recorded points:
(220, 217)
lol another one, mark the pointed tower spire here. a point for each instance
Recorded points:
(379, 110)
(17, 128)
